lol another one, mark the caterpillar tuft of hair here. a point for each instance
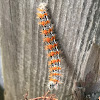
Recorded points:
(51, 46)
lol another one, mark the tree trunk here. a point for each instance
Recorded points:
(77, 27)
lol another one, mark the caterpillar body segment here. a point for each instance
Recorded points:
(49, 39)
(39, 15)
(46, 31)
(53, 53)
(54, 68)
(53, 61)
(51, 46)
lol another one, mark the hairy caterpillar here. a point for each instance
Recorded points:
(51, 46)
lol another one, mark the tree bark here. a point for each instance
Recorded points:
(77, 27)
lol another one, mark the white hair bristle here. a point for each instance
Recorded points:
(42, 5)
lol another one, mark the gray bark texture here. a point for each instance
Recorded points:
(77, 27)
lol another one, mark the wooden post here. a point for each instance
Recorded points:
(77, 27)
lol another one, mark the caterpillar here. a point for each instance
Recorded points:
(51, 46)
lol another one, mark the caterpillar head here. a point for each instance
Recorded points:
(52, 85)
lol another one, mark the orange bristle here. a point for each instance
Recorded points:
(53, 38)
(40, 9)
(57, 52)
(53, 61)
(47, 39)
(59, 68)
(39, 15)
(48, 21)
(43, 23)
(52, 53)
(50, 46)
(54, 68)
(50, 30)
(45, 14)
(44, 32)
(54, 80)
(58, 60)
(55, 45)
(54, 74)
(49, 62)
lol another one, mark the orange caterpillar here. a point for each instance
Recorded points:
(51, 46)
